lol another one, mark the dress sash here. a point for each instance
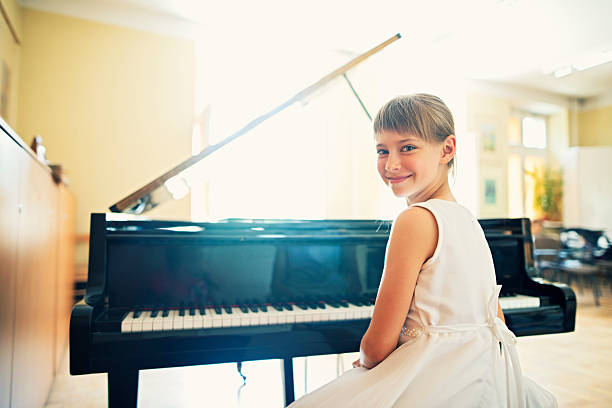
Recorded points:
(511, 393)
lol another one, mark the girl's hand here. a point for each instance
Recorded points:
(356, 363)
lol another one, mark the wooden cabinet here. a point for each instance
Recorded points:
(36, 254)
(10, 161)
(66, 244)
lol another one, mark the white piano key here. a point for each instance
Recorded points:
(361, 312)
(147, 321)
(324, 313)
(334, 313)
(235, 316)
(263, 317)
(158, 322)
(245, 319)
(207, 320)
(188, 320)
(168, 321)
(254, 318)
(281, 316)
(226, 318)
(309, 314)
(290, 315)
(126, 323)
(198, 320)
(300, 314)
(137, 323)
(273, 315)
(217, 319)
(177, 320)
(350, 312)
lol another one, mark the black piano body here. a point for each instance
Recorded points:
(264, 271)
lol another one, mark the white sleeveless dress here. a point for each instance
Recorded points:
(453, 351)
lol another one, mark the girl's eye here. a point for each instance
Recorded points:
(381, 152)
(407, 148)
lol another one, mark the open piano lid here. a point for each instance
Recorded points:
(156, 192)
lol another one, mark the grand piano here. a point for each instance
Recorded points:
(170, 294)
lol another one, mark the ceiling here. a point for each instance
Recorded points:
(518, 42)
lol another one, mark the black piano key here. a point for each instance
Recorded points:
(302, 306)
(218, 309)
(228, 309)
(357, 302)
(165, 313)
(333, 303)
(191, 311)
(137, 314)
(263, 308)
(278, 307)
(253, 308)
(287, 306)
(154, 312)
(312, 305)
(244, 308)
(344, 303)
(321, 304)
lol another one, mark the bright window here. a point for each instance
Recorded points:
(527, 152)
(534, 132)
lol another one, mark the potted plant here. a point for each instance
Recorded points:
(548, 193)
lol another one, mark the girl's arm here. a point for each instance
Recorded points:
(413, 240)
(500, 312)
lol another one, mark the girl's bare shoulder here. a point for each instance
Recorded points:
(416, 226)
(417, 219)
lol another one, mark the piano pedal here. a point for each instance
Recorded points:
(239, 368)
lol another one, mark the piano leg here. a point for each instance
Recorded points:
(122, 388)
(288, 380)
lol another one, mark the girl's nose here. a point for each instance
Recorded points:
(392, 163)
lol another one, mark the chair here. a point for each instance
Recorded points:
(546, 256)
(582, 273)
(584, 257)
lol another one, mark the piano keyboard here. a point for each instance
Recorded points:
(211, 317)
(518, 302)
(214, 317)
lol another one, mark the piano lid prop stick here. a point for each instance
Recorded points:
(145, 197)
(348, 81)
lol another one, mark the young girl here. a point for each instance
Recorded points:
(437, 336)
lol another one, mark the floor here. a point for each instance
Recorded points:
(576, 367)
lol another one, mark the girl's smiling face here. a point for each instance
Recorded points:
(413, 167)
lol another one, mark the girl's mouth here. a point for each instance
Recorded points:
(395, 180)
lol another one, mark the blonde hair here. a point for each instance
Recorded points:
(423, 115)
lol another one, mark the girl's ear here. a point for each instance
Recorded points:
(449, 148)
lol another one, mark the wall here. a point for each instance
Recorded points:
(114, 106)
(587, 198)
(595, 126)
(10, 52)
(490, 114)
(558, 138)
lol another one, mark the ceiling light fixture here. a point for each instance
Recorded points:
(593, 60)
(565, 71)
(586, 62)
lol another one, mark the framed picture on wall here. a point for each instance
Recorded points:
(492, 191)
(489, 138)
(5, 90)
